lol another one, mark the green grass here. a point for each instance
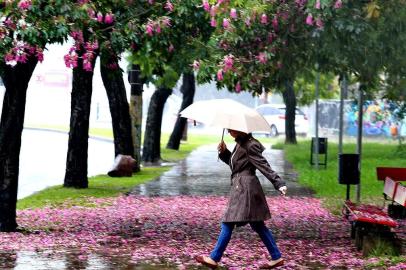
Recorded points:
(99, 187)
(324, 181)
(384, 261)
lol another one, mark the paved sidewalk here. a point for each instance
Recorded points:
(201, 173)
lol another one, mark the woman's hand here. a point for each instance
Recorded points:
(221, 147)
(283, 190)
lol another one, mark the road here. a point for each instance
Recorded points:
(43, 159)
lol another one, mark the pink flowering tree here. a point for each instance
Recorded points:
(105, 29)
(173, 38)
(90, 26)
(25, 29)
(261, 46)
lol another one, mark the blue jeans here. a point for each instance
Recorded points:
(258, 226)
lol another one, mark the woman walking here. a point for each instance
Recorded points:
(247, 203)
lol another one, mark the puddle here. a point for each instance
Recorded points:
(202, 174)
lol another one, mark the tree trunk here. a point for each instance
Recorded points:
(151, 151)
(119, 109)
(188, 90)
(290, 101)
(76, 161)
(137, 84)
(16, 81)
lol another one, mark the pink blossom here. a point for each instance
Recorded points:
(213, 22)
(233, 13)
(77, 36)
(219, 2)
(228, 62)
(206, 5)
(99, 17)
(262, 58)
(338, 4)
(109, 18)
(138, 228)
(196, 65)
(91, 13)
(309, 19)
(166, 21)
(24, 4)
(158, 29)
(220, 75)
(317, 5)
(248, 21)
(22, 58)
(31, 49)
(171, 48)
(264, 19)
(213, 11)
(40, 55)
(151, 2)
(226, 23)
(87, 65)
(169, 5)
(238, 87)
(9, 57)
(319, 22)
(74, 60)
(150, 29)
(67, 60)
(275, 24)
(301, 3)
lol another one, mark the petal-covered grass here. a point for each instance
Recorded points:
(172, 230)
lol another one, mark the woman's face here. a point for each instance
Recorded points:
(235, 133)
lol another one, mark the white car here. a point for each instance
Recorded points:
(275, 116)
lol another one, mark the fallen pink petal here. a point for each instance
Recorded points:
(173, 230)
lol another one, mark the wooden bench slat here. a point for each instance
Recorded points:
(400, 196)
(390, 187)
(397, 174)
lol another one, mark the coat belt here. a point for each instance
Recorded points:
(243, 173)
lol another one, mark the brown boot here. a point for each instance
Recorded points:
(272, 264)
(207, 261)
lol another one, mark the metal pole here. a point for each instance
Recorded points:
(343, 89)
(359, 135)
(317, 118)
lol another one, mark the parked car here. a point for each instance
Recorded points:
(275, 116)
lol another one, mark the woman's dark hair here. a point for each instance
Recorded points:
(243, 138)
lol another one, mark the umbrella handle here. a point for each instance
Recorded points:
(222, 138)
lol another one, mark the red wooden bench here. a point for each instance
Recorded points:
(397, 209)
(373, 220)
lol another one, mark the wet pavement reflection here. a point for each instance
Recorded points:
(201, 173)
(73, 260)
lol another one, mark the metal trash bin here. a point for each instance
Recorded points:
(348, 169)
(323, 146)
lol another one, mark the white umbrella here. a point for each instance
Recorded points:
(226, 113)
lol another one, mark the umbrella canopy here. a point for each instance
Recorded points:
(226, 113)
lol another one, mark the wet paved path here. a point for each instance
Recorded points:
(202, 174)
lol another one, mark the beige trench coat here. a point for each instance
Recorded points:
(247, 201)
